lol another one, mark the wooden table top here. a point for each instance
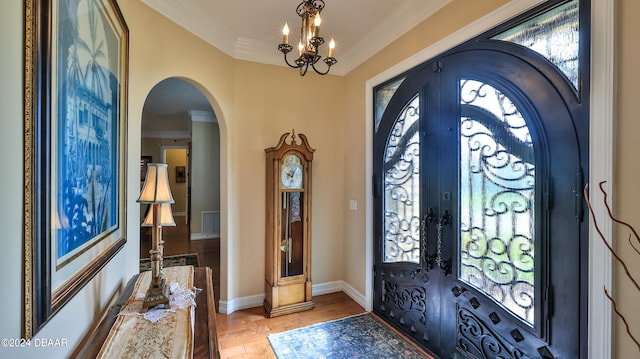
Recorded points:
(205, 337)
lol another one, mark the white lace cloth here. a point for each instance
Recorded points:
(179, 298)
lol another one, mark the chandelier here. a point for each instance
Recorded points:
(310, 39)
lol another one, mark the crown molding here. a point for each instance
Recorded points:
(406, 15)
(257, 51)
(185, 14)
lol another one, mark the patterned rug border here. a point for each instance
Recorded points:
(412, 351)
(330, 321)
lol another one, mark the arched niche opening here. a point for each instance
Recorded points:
(179, 127)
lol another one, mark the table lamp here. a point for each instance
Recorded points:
(156, 192)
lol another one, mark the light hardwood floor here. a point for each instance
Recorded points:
(243, 334)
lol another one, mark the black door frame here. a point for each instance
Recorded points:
(601, 147)
(577, 108)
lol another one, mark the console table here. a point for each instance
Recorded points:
(205, 338)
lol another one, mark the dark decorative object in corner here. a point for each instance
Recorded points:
(634, 241)
(74, 155)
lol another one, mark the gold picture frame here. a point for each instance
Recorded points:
(76, 69)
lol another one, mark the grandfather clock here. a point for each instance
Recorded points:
(288, 226)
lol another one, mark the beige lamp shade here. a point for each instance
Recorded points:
(166, 216)
(156, 185)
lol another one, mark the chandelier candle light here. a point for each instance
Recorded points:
(310, 39)
(157, 193)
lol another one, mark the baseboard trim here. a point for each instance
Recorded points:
(326, 288)
(354, 294)
(252, 301)
(228, 307)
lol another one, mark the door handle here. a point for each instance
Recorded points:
(445, 265)
(429, 259)
(434, 259)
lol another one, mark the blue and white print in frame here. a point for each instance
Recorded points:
(77, 165)
(88, 113)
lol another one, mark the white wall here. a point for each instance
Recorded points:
(205, 173)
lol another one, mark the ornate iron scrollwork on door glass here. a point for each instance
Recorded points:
(402, 188)
(497, 196)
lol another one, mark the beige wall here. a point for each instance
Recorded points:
(255, 104)
(271, 100)
(170, 51)
(627, 172)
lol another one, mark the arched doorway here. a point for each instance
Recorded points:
(179, 127)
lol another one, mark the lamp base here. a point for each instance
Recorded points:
(156, 295)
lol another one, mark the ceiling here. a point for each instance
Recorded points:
(251, 30)
(168, 109)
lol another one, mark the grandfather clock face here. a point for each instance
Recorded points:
(291, 173)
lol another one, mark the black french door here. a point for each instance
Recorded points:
(478, 168)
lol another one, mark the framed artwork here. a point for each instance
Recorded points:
(181, 174)
(76, 68)
(144, 161)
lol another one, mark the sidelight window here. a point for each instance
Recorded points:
(402, 187)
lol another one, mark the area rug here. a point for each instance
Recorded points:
(360, 336)
(172, 261)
